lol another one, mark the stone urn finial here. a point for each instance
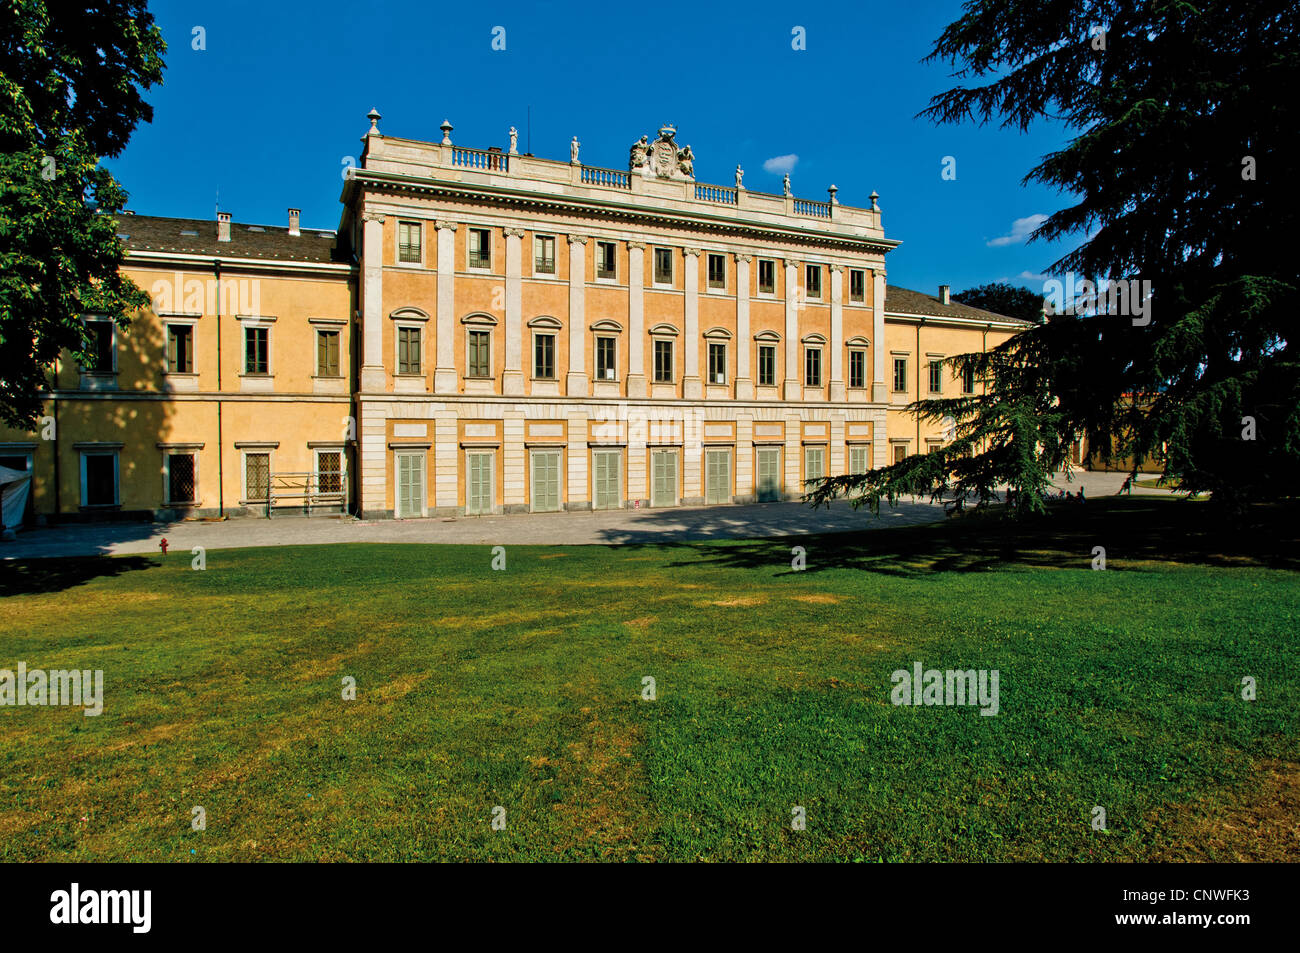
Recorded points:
(374, 118)
(446, 128)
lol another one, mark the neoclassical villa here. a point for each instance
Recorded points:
(491, 332)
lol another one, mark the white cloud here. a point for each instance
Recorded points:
(1030, 276)
(1020, 230)
(780, 165)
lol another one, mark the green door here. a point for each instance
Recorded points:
(410, 485)
(478, 495)
(606, 469)
(717, 476)
(768, 466)
(663, 486)
(544, 481)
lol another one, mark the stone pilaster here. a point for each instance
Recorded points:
(444, 374)
(512, 377)
(636, 379)
(744, 346)
(692, 385)
(576, 383)
(837, 392)
(791, 388)
(879, 387)
(372, 302)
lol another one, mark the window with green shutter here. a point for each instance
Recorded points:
(180, 348)
(857, 368)
(257, 350)
(480, 354)
(327, 353)
(408, 350)
(767, 365)
(544, 356)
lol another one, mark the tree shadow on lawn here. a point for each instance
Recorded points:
(1131, 530)
(25, 577)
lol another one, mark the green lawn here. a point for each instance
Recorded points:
(522, 688)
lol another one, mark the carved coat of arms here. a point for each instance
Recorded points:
(663, 157)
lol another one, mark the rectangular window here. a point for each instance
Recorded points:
(180, 348)
(900, 375)
(605, 262)
(99, 487)
(814, 463)
(408, 350)
(663, 266)
(857, 368)
(257, 350)
(101, 346)
(968, 380)
(767, 365)
(329, 471)
(860, 458)
(327, 354)
(900, 452)
(180, 478)
(813, 281)
(717, 271)
(544, 255)
(857, 285)
(812, 366)
(257, 477)
(766, 276)
(480, 354)
(605, 359)
(663, 362)
(936, 384)
(480, 248)
(717, 363)
(408, 242)
(544, 356)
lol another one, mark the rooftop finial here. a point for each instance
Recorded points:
(374, 118)
(446, 128)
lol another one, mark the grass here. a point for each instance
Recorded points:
(522, 689)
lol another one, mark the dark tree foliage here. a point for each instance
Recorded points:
(1182, 169)
(71, 77)
(1002, 298)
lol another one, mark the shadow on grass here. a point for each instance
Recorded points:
(35, 576)
(1131, 530)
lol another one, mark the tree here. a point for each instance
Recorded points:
(1181, 168)
(1002, 298)
(71, 83)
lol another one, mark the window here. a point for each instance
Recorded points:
(480, 248)
(900, 375)
(329, 471)
(605, 359)
(812, 367)
(936, 384)
(257, 477)
(100, 332)
(257, 350)
(968, 380)
(813, 281)
(480, 354)
(663, 266)
(663, 362)
(180, 349)
(766, 276)
(408, 350)
(900, 452)
(408, 242)
(860, 458)
(717, 271)
(544, 255)
(180, 478)
(605, 260)
(99, 479)
(857, 284)
(857, 368)
(767, 365)
(544, 356)
(717, 363)
(814, 463)
(327, 354)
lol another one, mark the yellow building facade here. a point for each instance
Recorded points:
(490, 332)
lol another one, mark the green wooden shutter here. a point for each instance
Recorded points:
(769, 473)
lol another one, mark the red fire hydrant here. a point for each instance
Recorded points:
(163, 545)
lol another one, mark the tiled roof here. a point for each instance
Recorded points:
(906, 301)
(198, 237)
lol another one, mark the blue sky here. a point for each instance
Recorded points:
(268, 112)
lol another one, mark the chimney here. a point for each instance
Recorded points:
(223, 226)
(944, 296)
(293, 221)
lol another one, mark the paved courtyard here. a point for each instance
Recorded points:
(600, 527)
